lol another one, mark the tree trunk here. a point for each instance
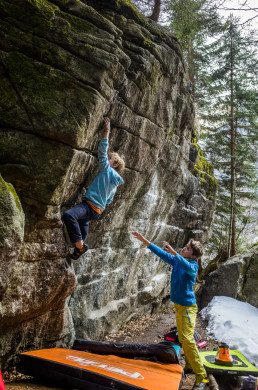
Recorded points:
(232, 227)
(156, 10)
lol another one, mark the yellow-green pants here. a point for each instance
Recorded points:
(185, 320)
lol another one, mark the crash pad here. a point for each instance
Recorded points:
(98, 372)
(241, 366)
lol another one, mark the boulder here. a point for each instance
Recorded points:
(237, 278)
(64, 66)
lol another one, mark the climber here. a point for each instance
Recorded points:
(183, 277)
(100, 193)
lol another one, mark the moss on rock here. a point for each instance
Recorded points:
(7, 191)
(205, 171)
(11, 232)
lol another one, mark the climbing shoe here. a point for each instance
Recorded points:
(78, 252)
(201, 385)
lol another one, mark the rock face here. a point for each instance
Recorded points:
(237, 278)
(11, 231)
(64, 66)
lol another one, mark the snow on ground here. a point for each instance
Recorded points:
(235, 323)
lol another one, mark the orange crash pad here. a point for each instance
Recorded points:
(92, 371)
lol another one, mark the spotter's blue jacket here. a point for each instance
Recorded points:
(182, 278)
(103, 188)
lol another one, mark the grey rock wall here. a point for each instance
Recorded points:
(237, 278)
(64, 66)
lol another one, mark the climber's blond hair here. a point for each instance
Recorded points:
(118, 161)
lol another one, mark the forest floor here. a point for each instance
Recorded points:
(143, 329)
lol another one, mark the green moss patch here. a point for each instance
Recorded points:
(34, 81)
(127, 9)
(45, 19)
(6, 187)
(205, 171)
(37, 84)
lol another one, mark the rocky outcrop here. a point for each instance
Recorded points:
(237, 278)
(64, 65)
(11, 231)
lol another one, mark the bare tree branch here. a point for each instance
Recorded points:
(237, 9)
(248, 20)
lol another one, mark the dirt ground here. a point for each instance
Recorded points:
(143, 329)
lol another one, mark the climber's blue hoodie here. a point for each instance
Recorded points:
(182, 278)
(103, 188)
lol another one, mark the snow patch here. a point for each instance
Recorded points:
(235, 323)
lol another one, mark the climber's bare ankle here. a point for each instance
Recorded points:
(79, 244)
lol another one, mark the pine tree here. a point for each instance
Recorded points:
(229, 106)
(192, 22)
